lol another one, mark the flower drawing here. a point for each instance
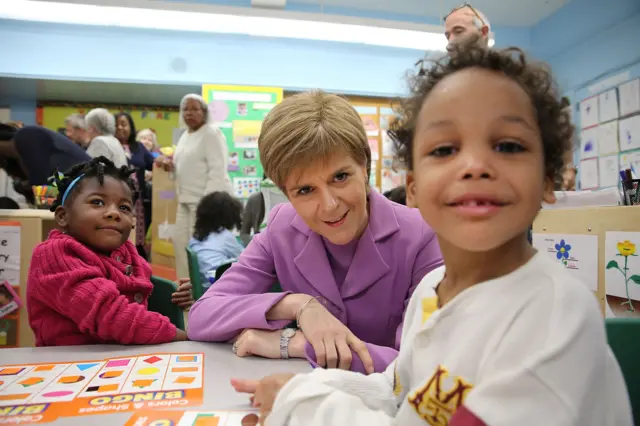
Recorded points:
(562, 251)
(625, 249)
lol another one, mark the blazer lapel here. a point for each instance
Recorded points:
(368, 265)
(313, 264)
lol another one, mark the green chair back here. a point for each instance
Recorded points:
(194, 275)
(624, 338)
(160, 301)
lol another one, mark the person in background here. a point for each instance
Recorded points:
(217, 215)
(397, 195)
(148, 138)
(347, 258)
(101, 130)
(480, 180)
(86, 283)
(256, 209)
(76, 130)
(7, 203)
(569, 177)
(32, 154)
(142, 161)
(466, 24)
(200, 165)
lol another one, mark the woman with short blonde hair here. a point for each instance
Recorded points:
(347, 259)
(148, 138)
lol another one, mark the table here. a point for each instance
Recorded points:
(220, 366)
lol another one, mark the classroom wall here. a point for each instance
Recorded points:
(162, 121)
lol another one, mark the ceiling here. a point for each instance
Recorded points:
(94, 91)
(524, 13)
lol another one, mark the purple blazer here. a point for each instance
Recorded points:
(396, 250)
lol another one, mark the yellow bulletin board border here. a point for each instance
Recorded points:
(206, 88)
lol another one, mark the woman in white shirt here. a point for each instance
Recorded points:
(200, 164)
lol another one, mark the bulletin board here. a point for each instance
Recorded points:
(239, 111)
(609, 129)
(386, 172)
(162, 120)
(618, 240)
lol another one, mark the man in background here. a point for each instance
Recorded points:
(76, 130)
(465, 24)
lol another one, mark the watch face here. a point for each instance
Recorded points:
(288, 332)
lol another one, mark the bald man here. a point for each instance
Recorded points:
(465, 24)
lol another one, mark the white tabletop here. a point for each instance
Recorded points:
(220, 366)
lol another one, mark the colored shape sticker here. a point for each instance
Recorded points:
(14, 397)
(111, 374)
(143, 383)
(83, 367)
(184, 369)
(31, 381)
(11, 371)
(152, 359)
(67, 380)
(103, 388)
(147, 371)
(118, 363)
(45, 368)
(206, 420)
(57, 394)
(185, 380)
(187, 358)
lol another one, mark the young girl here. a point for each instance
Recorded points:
(217, 215)
(500, 335)
(86, 283)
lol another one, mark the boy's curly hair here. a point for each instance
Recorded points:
(217, 211)
(98, 167)
(536, 79)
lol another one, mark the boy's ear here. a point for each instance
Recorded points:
(411, 191)
(61, 216)
(549, 195)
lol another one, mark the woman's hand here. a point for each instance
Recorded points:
(332, 341)
(266, 343)
(263, 391)
(183, 297)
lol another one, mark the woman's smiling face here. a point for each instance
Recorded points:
(330, 195)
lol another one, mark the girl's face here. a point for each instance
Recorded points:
(123, 129)
(478, 166)
(147, 141)
(99, 216)
(331, 197)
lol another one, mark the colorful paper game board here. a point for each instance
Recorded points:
(194, 418)
(39, 393)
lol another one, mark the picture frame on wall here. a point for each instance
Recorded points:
(629, 97)
(589, 115)
(608, 105)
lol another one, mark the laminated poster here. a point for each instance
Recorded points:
(577, 253)
(622, 274)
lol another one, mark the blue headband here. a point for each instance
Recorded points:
(70, 187)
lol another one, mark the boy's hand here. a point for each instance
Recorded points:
(183, 296)
(181, 336)
(264, 391)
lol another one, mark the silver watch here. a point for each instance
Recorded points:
(285, 338)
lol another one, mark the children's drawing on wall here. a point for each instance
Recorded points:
(234, 162)
(242, 109)
(578, 254)
(622, 274)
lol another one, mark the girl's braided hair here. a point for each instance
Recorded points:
(98, 167)
(536, 79)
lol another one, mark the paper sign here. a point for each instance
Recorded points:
(9, 300)
(195, 418)
(629, 133)
(608, 138)
(629, 97)
(589, 143)
(246, 132)
(577, 253)
(165, 231)
(608, 170)
(608, 105)
(622, 274)
(10, 252)
(589, 116)
(588, 174)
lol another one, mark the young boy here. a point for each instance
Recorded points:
(500, 335)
